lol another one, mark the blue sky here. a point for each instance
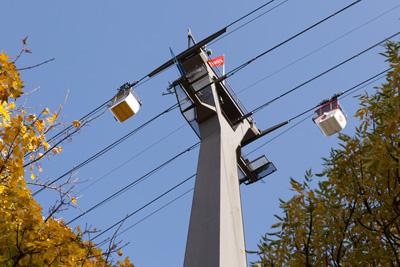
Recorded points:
(99, 45)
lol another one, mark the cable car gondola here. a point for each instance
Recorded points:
(125, 103)
(330, 117)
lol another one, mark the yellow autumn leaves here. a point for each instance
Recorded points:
(10, 82)
(26, 238)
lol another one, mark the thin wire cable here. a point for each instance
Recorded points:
(134, 183)
(367, 82)
(87, 116)
(346, 93)
(148, 216)
(257, 109)
(146, 78)
(250, 13)
(156, 211)
(319, 49)
(250, 21)
(91, 116)
(142, 207)
(54, 145)
(293, 37)
(377, 77)
(108, 148)
(252, 60)
(132, 158)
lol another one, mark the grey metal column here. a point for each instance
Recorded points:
(216, 230)
(211, 108)
(215, 237)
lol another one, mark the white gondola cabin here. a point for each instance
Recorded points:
(125, 104)
(330, 117)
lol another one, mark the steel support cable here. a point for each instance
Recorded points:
(58, 142)
(319, 48)
(245, 64)
(250, 21)
(344, 94)
(142, 207)
(257, 109)
(376, 76)
(135, 182)
(108, 148)
(131, 158)
(147, 216)
(146, 77)
(157, 210)
(294, 37)
(83, 119)
(250, 13)
(86, 116)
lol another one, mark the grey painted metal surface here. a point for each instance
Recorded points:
(215, 237)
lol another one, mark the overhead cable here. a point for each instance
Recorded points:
(157, 210)
(344, 94)
(257, 109)
(248, 22)
(252, 60)
(319, 48)
(87, 117)
(108, 148)
(131, 158)
(142, 207)
(134, 183)
(147, 77)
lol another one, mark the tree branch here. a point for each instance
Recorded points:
(37, 65)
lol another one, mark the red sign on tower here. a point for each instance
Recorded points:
(217, 61)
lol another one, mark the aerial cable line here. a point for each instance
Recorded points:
(344, 94)
(70, 130)
(144, 206)
(108, 148)
(147, 77)
(157, 210)
(291, 38)
(367, 82)
(135, 182)
(249, 14)
(82, 120)
(252, 60)
(248, 22)
(257, 109)
(132, 158)
(125, 188)
(149, 215)
(85, 117)
(90, 113)
(57, 143)
(371, 80)
(319, 48)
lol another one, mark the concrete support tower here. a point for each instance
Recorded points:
(215, 237)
